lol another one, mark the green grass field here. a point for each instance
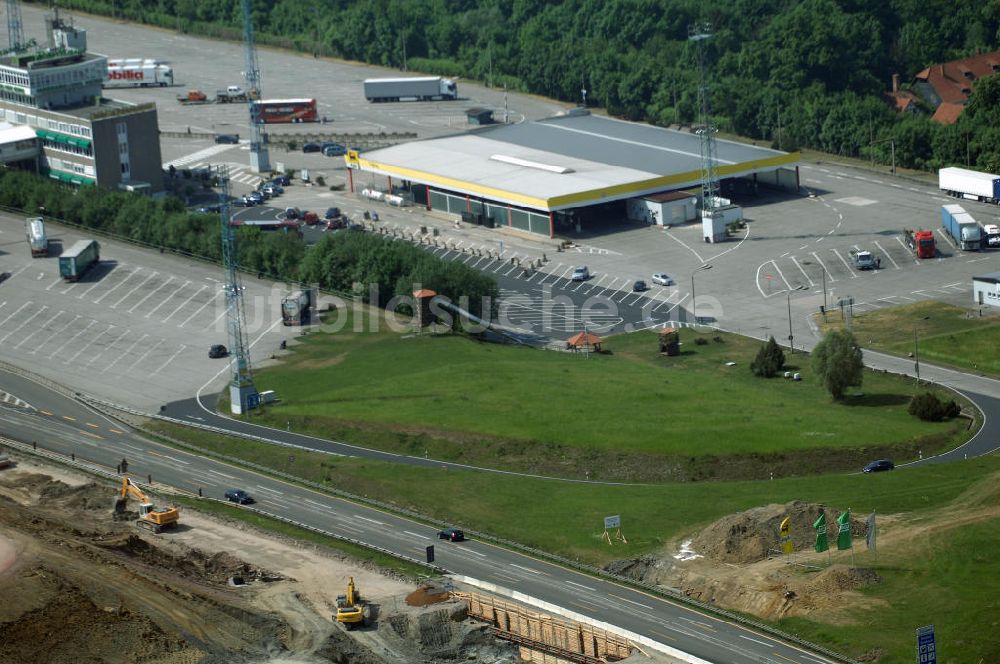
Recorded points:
(945, 334)
(631, 414)
(951, 569)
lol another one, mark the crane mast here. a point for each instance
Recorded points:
(259, 160)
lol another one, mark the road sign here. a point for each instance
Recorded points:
(926, 648)
(253, 400)
(612, 522)
(430, 553)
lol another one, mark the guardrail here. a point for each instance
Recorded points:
(555, 559)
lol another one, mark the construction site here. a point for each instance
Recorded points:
(97, 572)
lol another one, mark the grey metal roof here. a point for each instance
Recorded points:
(564, 162)
(990, 277)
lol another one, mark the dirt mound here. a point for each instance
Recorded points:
(443, 633)
(750, 536)
(192, 563)
(839, 578)
(426, 595)
(87, 497)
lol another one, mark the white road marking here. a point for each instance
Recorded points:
(26, 321)
(364, 518)
(182, 304)
(169, 360)
(846, 264)
(68, 341)
(117, 286)
(215, 472)
(886, 254)
(526, 569)
(143, 356)
(645, 606)
(144, 282)
(408, 532)
(127, 353)
(151, 294)
(275, 492)
(16, 311)
(580, 585)
(39, 329)
(110, 345)
(89, 344)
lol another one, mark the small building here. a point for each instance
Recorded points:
(479, 116)
(946, 87)
(669, 208)
(986, 289)
(584, 341)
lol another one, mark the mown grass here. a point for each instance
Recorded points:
(613, 415)
(941, 334)
(951, 579)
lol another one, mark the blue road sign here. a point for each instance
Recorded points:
(253, 400)
(926, 648)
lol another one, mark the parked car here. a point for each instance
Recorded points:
(879, 466)
(256, 197)
(580, 273)
(273, 189)
(310, 218)
(283, 180)
(639, 286)
(4, 276)
(231, 139)
(452, 535)
(333, 150)
(332, 213)
(292, 213)
(210, 209)
(239, 496)
(311, 147)
(663, 279)
(218, 350)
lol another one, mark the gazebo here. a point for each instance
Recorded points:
(582, 340)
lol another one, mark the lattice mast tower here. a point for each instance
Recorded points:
(242, 391)
(15, 30)
(699, 33)
(259, 160)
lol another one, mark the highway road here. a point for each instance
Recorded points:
(61, 424)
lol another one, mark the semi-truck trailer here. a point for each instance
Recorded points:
(963, 183)
(921, 243)
(142, 75)
(427, 88)
(81, 257)
(37, 240)
(296, 308)
(961, 227)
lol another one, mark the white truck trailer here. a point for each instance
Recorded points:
(426, 88)
(138, 74)
(34, 228)
(963, 183)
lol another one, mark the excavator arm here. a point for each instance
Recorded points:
(149, 516)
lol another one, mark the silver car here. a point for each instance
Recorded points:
(580, 273)
(663, 279)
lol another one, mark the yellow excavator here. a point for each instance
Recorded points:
(350, 611)
(149, 516)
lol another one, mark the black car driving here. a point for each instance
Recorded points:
(239, 496)
(452, 535)
(879, 466)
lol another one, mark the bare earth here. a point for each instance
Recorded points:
(88, 588)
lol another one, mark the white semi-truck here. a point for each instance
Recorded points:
(34, 228)
(426, 88)
(137, 73)
(963, 183)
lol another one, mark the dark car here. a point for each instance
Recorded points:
(231, 139)
(311, 147)
(639, 286)
(4, 276)
(283, 180)
(239, 496)
(333, 150)
(452, 535)
(210, 209)
(879, 466)
(256, 197)
(332, 213)
(292, 213)
(218, 350)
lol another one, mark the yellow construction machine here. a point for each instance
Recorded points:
(350, 611)
(149, 516)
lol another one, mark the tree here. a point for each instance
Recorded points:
(836, 361)
(769, 361)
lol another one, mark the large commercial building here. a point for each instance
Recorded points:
(82, 137)
(565, 172)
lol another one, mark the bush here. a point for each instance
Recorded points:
(929, 408)
(769, 361)
(837, 362)
(700, 341)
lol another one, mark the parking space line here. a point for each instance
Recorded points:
(781, 274)
(125, 278)
(55, 336)
(57, 281)
(846, 264)
(823, 265)
(803, 271)
(100, 281)
(182, 305)
(886, 254)
(151, 294)
(39, 329)
(16, 311)
(127, 353)
(169, 360)
(26, 321)
(71, 339)
(123, 297)
(143, 356)
(109, 347)
(89, 344)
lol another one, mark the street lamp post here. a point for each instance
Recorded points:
(788, 298)
(694, 300)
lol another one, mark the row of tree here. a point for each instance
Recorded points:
(342, 262)
(797, 73)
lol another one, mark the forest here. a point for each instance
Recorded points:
(794, 73)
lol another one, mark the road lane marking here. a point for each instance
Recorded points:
(408, 532)
(215, 472)
(580, 585)
(526, 569)
(320, 505)
(92, 426)
(115, 431)
(67, 417)
(763, 643)
(275, 492)
(645, 606)
(92, 435)
(364, 518)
